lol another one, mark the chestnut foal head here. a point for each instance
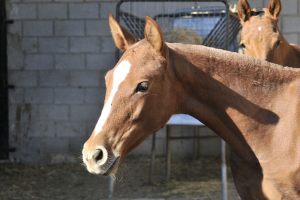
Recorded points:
(137, 101)
(260, 36)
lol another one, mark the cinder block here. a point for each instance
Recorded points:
(84, 11)
(39, 95)
(15, 28)
(291, 37)
(145, 147)
(69, 28)
(26, 1)
(108, 45)
(291, 24)
(52, 11)
(94, 96)
(83, 113)
(55, 146)
(54, 78)
(91, 125)
(210, 146)
(69, 1)
(76, 144)
(70, 61)
(16, 96)
(28, 151)
(103, 61)
(54, 112)
(42, 129)
(289, 7)
(106, 8)
(22, 11)
(23, 113)
(53, 45)
(70, 129)
(39, 61)
(97, 28)
(85, 79)
(22, 78)
(258, 4)
(69, 95)
(15, 55)
(38, 28)
(85, 44)
(29, 44)
(12, 113)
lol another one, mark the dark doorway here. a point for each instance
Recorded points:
(4, 146)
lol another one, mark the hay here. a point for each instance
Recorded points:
(183, 35)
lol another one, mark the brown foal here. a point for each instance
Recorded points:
(252, 104)
(261, 38)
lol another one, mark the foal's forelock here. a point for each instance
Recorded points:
(119, 75)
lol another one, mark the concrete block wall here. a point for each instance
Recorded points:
(58, 54)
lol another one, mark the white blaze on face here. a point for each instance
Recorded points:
(259, 28)
(120, 73)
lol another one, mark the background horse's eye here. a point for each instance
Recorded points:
(277, 44)
(142, 87)
(242, 46)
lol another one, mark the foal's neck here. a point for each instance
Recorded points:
(288, 55)
(229, 92)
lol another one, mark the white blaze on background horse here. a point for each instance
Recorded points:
(252, 104)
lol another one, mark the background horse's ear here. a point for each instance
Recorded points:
(274, 8)
(153, 34)
(244, 10)
(122, 38)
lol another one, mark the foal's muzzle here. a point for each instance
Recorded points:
(99, 161)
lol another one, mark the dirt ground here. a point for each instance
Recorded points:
(190, 179)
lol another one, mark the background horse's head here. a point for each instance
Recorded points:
(137, 102)
(260, 36)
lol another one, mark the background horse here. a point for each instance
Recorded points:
(252, 104)
(261, 38)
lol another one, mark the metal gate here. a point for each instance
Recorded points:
(4, 146)
(206, 22)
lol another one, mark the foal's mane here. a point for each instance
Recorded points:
(230, 63)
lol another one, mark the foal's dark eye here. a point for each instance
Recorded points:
(277, 44)
(142, 87)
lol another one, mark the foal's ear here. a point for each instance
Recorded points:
(244, 10)
(153, 34)
(122, 38)
(274, 8)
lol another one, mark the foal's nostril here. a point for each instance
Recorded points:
(98, 156)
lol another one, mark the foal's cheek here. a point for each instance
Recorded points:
(137, 110)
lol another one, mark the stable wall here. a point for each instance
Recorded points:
(58, 54)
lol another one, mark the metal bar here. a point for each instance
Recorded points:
(195, 143)
(223, 144)
(169, 154)
(191, 137)
(152, 158)
(224, 171)
(111, 183)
